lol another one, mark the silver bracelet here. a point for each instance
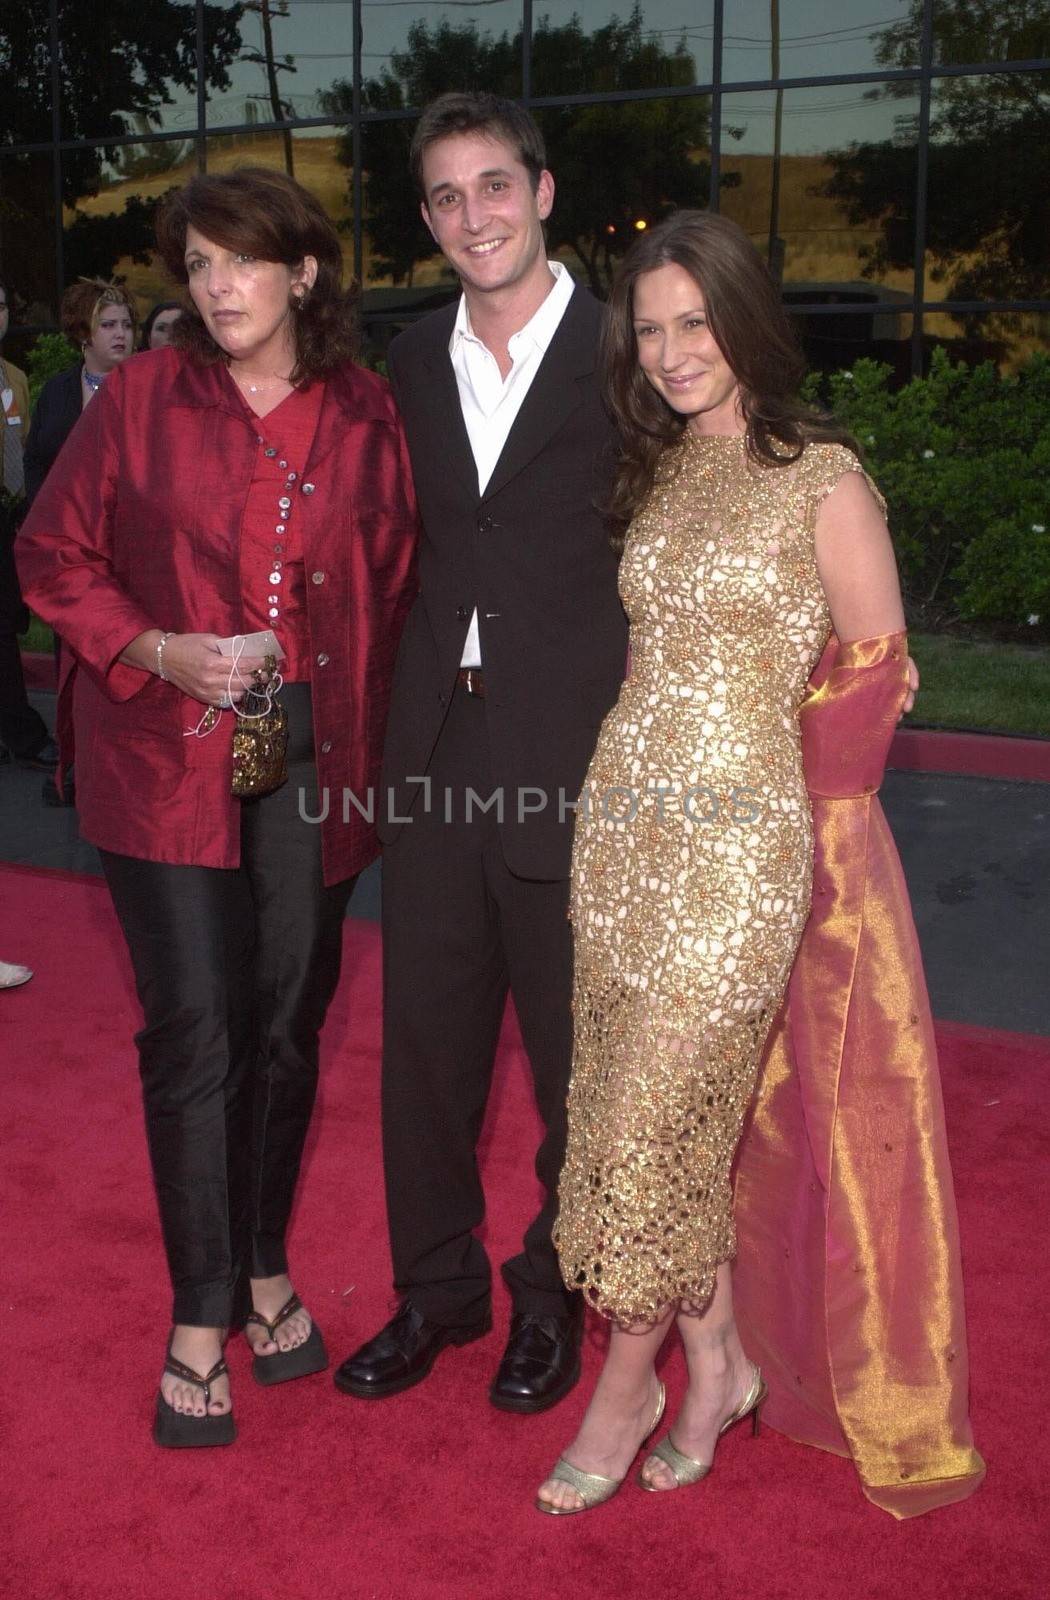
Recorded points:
(161, 642)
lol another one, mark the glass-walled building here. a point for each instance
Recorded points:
(890, 158)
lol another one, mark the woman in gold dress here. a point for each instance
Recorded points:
(753, 530)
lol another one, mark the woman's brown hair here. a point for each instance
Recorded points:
(267, 215)
(83, 304)
(744, 313)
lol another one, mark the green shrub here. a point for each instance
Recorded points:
(963, 458)
(50, 353)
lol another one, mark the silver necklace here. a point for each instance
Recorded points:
(257, 388)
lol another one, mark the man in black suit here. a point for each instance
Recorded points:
(512, 656)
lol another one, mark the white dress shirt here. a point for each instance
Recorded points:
(489, 402)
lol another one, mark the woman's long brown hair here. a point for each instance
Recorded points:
(753, 332)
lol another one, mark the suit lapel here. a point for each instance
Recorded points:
(553, 394)
(451, 443)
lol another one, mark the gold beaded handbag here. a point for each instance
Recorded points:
(260, 739)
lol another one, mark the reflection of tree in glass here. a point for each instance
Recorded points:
(118, 64)
(615, 166)
(988, 230)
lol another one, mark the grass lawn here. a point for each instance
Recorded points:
(997, 688)
(1000, 688)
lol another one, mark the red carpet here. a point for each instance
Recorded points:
(428, 1495)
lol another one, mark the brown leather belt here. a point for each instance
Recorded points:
(472, 679)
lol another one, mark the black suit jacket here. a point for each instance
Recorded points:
(57, 410)
(532, 554)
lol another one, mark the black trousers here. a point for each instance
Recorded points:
(235, 969)
(22, 730)
(459, 930)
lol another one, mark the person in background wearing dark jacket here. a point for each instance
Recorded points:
(100, 318)
(251, 478)
(513, 654)
(23, 732)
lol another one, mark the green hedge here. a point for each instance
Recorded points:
(50, 353)
(963, 458)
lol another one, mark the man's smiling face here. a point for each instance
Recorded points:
(482, 210)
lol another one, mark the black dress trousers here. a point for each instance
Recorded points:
(22, 730)
(459, 930)
(235, 969)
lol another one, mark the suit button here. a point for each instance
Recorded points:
(323, 660)
(462, 613)
(308, 488)
(485, 524)
(326, 747)
(317, 577)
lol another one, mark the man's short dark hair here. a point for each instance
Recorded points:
(478, 113)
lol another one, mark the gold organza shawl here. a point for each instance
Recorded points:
(848, 1281)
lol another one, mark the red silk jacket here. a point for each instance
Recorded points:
(137, 527)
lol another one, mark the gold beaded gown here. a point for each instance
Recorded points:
(691, 869)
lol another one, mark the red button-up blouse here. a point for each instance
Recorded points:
(273, 575)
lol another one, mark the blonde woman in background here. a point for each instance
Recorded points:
(100, 318)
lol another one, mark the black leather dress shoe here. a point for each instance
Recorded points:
(401, 1354)
(540, 1364)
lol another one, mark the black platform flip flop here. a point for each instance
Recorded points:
(177, 1431)
(284, 1365)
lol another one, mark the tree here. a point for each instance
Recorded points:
(117, 65)
(988, 232)
(94, 244)
(615, 166)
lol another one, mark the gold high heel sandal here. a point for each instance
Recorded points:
(683, 1468)
(591, 1487)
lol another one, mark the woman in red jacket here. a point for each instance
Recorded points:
(251, 478)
